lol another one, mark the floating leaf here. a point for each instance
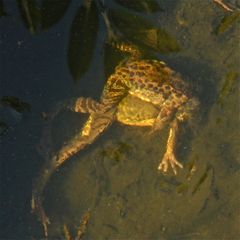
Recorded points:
(143, 32)
(3, 127)
(30, 13)
(83, 39)
(15, 103)
(147, 6)
(229, 81)
(227, 22)
(52, 11)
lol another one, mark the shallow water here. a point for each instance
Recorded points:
(116, 178)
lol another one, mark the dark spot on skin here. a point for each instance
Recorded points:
(147, 66)
(133, 67)
(140, 74)
(156, 89)
(167, 87)
(119, 73)
(165, 95)
(178, 95)
(131, 74)
(174, 103)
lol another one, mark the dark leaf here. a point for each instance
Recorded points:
(227, 22)
(112, 58)
(3, 127)
(143, 32)
(52, 11)
(83, 39)
(30, 13)
(147, 6)
(15, 103)
(2, 12)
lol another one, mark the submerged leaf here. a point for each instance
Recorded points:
(52, 11)
(83, 39)
(159, 40)
(143, 32)
(229, 81)
(182, 188)
(3, 127)
(2, 12)
(227, 22)
(30, 13)
(202, 179)
(15, 103)
(147, 6)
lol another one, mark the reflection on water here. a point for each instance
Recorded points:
(116, 179)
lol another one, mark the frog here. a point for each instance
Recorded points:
(140, 92)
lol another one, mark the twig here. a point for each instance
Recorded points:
(223, 5)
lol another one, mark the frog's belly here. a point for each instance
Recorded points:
(136, 112)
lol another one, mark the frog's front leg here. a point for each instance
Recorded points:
(169, 156)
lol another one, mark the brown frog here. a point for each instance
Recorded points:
(141, 92)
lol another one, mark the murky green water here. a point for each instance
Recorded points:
(116, 179)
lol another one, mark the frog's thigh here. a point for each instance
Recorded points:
(96, 124)
(85, 105)
(114, 91)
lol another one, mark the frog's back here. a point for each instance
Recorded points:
(150, 80)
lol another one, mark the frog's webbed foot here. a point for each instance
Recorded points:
(169, 156)
(169, 159)
(40, 212)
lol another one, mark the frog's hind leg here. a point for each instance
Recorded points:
(169, 156)
(94, 126)
(79, 105)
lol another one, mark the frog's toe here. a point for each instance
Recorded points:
(169, 158)
(40, 212)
